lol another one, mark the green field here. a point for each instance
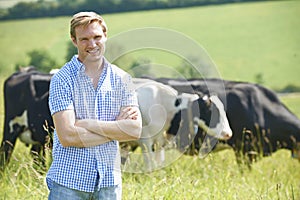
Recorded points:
(242, 39)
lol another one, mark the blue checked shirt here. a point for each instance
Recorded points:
(87, 169)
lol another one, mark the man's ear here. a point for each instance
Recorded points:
(74, 41)
(104, 39)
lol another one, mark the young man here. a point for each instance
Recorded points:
(93, 105)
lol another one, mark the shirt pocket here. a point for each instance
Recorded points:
(113, 101)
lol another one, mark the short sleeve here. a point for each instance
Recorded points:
(60, 97)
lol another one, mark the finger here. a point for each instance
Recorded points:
(124, 111)
(131, 112)
(122, 115)
(128, 113)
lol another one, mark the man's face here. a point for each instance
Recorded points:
(90, 42)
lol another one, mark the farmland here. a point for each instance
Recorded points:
(244, 40)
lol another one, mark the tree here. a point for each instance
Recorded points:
(71, 51)
(140, 67)
(193, 68)
(41, 60)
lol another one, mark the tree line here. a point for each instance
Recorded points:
(44, 8)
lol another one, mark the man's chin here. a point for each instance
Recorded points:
(94, 58)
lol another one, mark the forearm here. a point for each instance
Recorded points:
(121, 130)
(81, 137)
(128, 125)
(71, 135)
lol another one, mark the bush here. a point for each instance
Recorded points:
(290, 88)
(71, 51)
(41, 60)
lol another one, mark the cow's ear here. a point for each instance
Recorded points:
(200, 94)
(207, 100)
(178, 102)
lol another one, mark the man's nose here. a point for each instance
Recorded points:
(92, 43)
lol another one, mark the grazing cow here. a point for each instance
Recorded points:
(260, 122)
(212, 126)
(26, 113)
(161, 107)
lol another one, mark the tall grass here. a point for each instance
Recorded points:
(215, 177)
(21, 180)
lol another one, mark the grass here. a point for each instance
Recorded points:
(22, 36)
(21, 180)
(243, 40)
(292, 102)
(215, 177)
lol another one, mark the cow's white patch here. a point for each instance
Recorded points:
(157, 105)
(222, 130)
(186, 99)
(26, 137)
(53, 71)
(22, 121)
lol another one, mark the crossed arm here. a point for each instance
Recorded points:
(91, 132)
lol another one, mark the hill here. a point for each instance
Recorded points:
(248, 42)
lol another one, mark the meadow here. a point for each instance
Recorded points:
(242, 39)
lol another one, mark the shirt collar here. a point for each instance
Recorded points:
(80, 66)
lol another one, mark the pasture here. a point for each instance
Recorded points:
(243, 39)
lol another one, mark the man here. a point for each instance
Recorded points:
(93, 105)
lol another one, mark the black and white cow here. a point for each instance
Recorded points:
(260, 121)
(162, 109)
(27, 115)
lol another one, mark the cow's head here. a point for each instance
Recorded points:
(202, 115)
(212, 119)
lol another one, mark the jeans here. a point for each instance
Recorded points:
(109, 193)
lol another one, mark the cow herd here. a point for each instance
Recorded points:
(196, 115)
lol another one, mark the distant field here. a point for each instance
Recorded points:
(292, 101)
(244, 40)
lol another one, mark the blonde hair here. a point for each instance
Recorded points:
(86, 18)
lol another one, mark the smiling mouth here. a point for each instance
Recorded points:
(93, 51)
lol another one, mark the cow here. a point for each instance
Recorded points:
(161, 107)
(261, 123)
(27, 115)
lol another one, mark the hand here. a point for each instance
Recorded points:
(128, 113)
